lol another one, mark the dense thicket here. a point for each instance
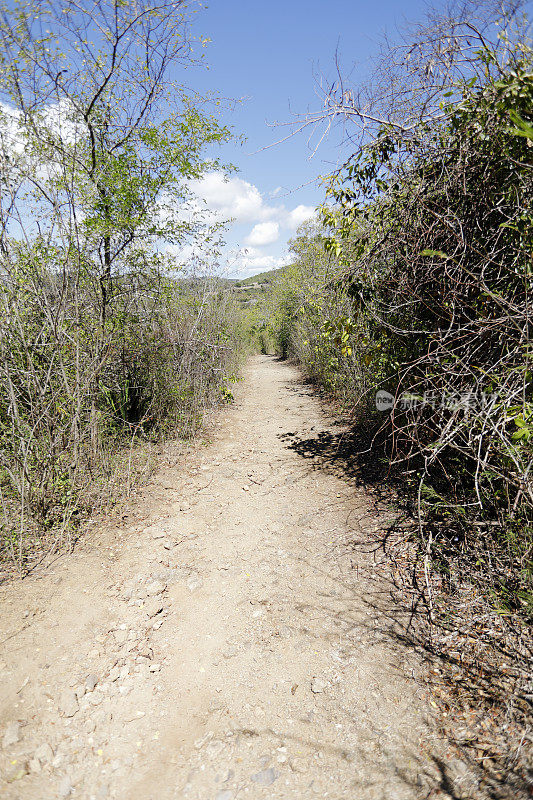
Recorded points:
(419, 287)
(104, 342)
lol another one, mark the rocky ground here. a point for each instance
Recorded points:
(225, 639)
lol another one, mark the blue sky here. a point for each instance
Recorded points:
(269, 54)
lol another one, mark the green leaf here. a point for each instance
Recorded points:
(523, 128)
(434, 254)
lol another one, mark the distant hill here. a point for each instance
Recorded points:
(262, 278)
(249, 291)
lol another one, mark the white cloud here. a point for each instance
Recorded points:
(11, 135)
(251, 261)
(240, 201)
(298, 215)
(18, 139)
(263, 233)
(232, 197)
(243, 202)
(60, 118)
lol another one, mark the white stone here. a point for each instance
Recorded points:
(44, 753)
(318, 685)
(12, 734)
(68, 703)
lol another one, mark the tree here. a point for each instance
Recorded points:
(108, 139)
(98, 141)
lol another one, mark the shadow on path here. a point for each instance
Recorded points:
(357, 456)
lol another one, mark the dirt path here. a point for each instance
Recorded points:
(226, 642)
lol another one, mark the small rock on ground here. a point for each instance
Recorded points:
(318, 685)
(68, 704)
(153, 607)
(266, 777)
(90, 682)
(194, 582)
(44, 753)
(226, 794)
(65, 787)
(12, 734)
(155, 588)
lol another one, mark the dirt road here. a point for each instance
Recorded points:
(226, 641)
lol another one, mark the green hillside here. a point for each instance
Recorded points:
(261, 278)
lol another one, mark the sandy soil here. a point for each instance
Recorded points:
(226, 639)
